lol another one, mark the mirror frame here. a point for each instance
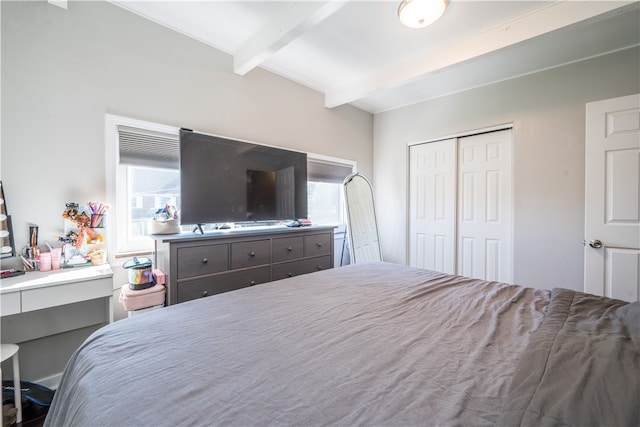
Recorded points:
(362, 225)
(6, 226)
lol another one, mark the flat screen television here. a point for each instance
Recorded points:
(224, 180)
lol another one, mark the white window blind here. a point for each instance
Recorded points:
(144, 147)
(327, 171)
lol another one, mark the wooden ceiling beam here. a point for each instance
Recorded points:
(296, 20)
(548, 18)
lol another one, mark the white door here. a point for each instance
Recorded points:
(485, 206)
(460, 206)
(612, 199)
(432, 207)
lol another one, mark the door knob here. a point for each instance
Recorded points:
(595, 243)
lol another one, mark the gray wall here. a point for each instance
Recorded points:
(547, 111)
(62, 70)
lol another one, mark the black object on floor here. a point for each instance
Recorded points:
(36, 400)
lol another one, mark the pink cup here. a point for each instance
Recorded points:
(45, 261)
(56, 254)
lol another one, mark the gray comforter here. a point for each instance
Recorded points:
(581, 368)
(374, 344)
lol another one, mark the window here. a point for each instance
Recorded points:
(143, 175)
(149, 189)
(144, 159)
(324, 189)
(325, 198)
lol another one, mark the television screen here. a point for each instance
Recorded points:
(224, 180)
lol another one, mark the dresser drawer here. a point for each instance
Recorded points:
(200, 260)
(317, 244)
(199, 288)
(288, 248)
(250, 254)
(303, 266)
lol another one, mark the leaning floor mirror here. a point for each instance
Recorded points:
(362, 227)
(6, 232)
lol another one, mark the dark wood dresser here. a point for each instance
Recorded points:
(199, 265)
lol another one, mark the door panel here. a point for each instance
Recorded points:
(432, 190)
(485, 206)
(612, 199)
(467, 257)
(621, 269)
(622, 166)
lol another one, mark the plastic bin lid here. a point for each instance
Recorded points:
(138, 263)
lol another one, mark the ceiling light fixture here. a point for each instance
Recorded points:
(420, 13)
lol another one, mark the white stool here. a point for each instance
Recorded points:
(7, 351)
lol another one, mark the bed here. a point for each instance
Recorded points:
(374, 344)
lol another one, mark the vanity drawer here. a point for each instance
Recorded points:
(303, 266)
(317, 244)
(199, 288)
(200, 260)
(288, 248)
(250, 254)
(10, 303)
(51, 296)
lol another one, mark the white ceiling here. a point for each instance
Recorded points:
(357, 52)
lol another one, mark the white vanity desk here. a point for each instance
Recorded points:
(49, 314)
(42, 290)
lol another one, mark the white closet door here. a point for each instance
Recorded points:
(432, 206)
(485, 206)
(460, 206)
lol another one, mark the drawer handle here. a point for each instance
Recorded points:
(252, 254)
(319, 244)
(253, 282)
(204, 260)
(289, 249)
(290, 274)
(319, 267)
(205, 293)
